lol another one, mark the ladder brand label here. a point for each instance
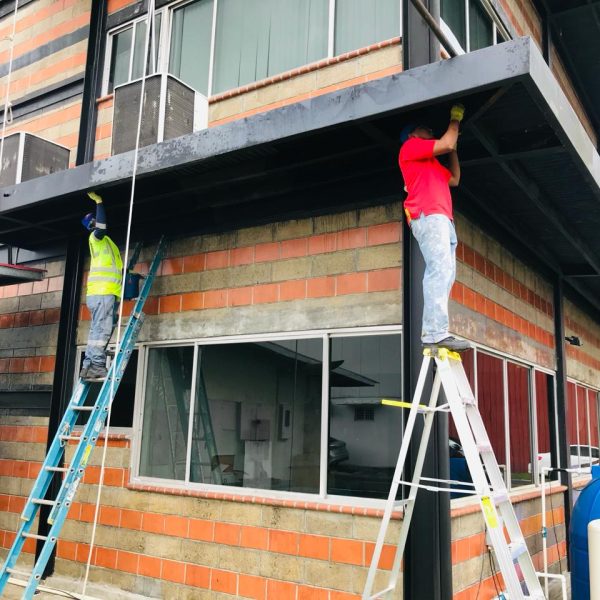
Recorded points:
(488, 512)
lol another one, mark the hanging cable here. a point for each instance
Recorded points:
(147, 45)
(7, 105)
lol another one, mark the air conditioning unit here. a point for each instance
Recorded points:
(170, 109)
(26, 156)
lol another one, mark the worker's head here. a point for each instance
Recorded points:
(417, 130)
(89, 221)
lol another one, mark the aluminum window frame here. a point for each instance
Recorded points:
(325, 335)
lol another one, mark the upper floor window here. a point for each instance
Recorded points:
(215, 46)
(472, 23)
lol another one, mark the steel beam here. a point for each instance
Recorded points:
(508, 156)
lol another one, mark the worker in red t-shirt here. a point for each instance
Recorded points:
(428, 209)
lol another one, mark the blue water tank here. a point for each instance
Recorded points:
(586, 509)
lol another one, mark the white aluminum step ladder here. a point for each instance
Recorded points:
(512, 555)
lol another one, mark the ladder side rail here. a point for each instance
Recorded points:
(416, 478)
(389, 507)
(91, 431)
(493, 521)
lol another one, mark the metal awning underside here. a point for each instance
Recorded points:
(529, 168)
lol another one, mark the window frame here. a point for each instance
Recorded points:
(325, 335)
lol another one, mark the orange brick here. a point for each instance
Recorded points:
(40, 287)
(292, 290)
(106, 557)
(17, 365)
(333, 595)
(227, 533)
(215, 299)
(239, 296)
(192, 301)
(25, 289)
(319, 244)
(351, 283)
(217, 260)
(87, 513)
(151, 306)
(266, 293)
(36, 317)
(113, 476)
(347, 551)
(294, 248)
(285, 542)
(266, 252)
(149, 566)
(197, 576)
(280, 590)
(460, 551)
(168, 304)
(252, 587)
(386, 560)
(173, 571)
(241, 256)
(223, 581)
(20, 468)
(386, 233)
(131, 519)
(127, 561)
(254, 537)
(22, 319)
(199, 529)
(312, 593)
(383, 280)
(194, 263)
(109, 515)
(66, 549)
(7, 321)
(177, 526)
(172, 266)
(352, 238)
(153, 522)
(320, 287)
(314, 546)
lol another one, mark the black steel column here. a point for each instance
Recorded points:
(561, 400)
(92, 82)
(428, 559)
(65, 365)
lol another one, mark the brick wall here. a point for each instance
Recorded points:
(29, 315)
(62, 28)
(583, 362)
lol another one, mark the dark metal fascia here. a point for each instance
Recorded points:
(476, 71)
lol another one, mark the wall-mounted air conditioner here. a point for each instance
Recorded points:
(26, 156)
(170, 109)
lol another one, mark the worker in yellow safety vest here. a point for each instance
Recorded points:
(103, 291)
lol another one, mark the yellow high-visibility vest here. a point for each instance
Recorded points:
(105, 268)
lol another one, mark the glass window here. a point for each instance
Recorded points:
(259, 38)
(545, 406)
(166, 412)
(490, 392)
(481, 28)
(120, 58)
(191, 31)
(454, 15)
(363, 371)
(360, 23)
(519, 424)
(593, 404)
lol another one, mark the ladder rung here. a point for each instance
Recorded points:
(18, 573)
(41, 501)
(381, 593)
(83, 408)
(500, 497)
(75, 438)
(58, 469)
(484, 448)
(517, 548)
(34, 536)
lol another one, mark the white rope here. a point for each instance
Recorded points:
(8, 79)
(149, 27)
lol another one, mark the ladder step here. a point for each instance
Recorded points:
(74, 438)
(517, 548)
(34, 536)
(484, 448)
(500, 497)
(43, 502)
(58, 469)
(18, 573)
(83, 408)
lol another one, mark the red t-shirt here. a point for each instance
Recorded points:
(426, 179)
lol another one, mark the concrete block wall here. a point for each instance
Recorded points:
(29, 315)
(583, 362)
(500, 302)
(327, 271)
(50, 49)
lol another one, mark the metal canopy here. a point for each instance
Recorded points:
(529, 169)
(19, 274)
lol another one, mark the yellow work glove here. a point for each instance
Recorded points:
(457, 112)
(95, 197)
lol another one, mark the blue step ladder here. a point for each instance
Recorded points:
(73, 474)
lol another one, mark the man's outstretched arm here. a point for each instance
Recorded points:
(447, 143)
(454, 168)
(100, 228)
